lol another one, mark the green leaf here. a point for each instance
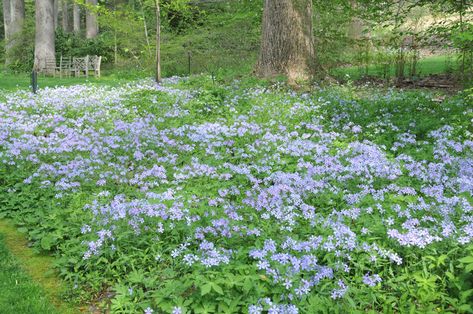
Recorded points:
(441, 259)
(136, 276)
(465, 308)
(466, 294)
(466, 260)
(217, 288)
(46, 242)
(23, 230)
(469, 267)
(450, 275)
(205, 289)
(247, 285)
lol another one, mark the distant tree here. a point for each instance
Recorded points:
(65, 16)
(91, 21)
(14, 17)
(6, 20)
(44, 36)
(76, 18)
(287, 45)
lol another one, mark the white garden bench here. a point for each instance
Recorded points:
(82, 66)
(76, 66)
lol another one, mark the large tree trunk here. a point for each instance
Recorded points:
(17, 16)
(287, 45)
(56, 13)
(14, 17)
(76, 18)
(91, 23)
(65, 16)
(44, 38)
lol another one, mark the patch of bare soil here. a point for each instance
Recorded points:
(446, 82)
(437, 81)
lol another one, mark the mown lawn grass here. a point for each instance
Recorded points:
(16, 81)
(28, 283)
(427, 66)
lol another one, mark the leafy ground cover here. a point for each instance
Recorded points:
(194, 197)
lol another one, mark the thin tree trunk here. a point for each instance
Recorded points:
(76, 18)
(287, 45)
(145, 27)
(65, 16)
(115, 48)
(91, 21)
(463, 52)
(115, 41)
(6, 18)
(158, 42)
(44, 38)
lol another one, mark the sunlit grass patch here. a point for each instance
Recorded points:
(28, 281)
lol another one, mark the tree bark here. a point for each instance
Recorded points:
(76, 18)
(17, 16)
(91, 22)
(6, 27)
(14, 17)
(158, 42)
(66, 26)
(56, 13)
(6, 18)
(44, 37)
(287, 44)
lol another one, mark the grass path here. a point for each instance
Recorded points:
(21, 81)
(28, 283)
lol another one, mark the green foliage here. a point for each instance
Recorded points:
(69, 44)
(139, 273)
(332, 42)
(224, 37)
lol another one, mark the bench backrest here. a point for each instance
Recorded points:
(94, 62)
(65, 63)
(80, 63)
